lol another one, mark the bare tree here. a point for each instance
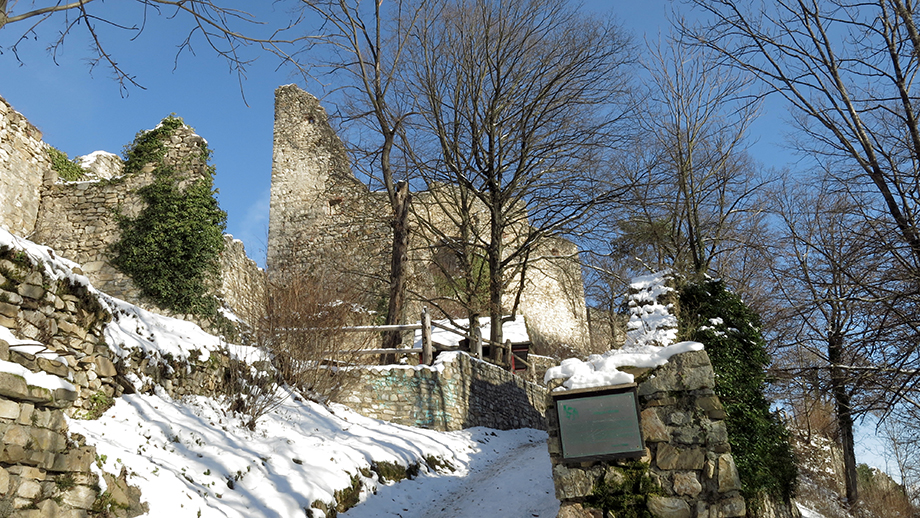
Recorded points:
(367, 45)
(224, 29)
(847, 70)
(520, 101)
(692, 204)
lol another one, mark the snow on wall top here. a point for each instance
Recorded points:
(650, 340)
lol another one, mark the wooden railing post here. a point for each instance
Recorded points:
(476, 338)
(427, 353)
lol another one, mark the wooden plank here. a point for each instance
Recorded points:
(427, 352)
(405, 327)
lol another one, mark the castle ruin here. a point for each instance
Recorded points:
(323, 217)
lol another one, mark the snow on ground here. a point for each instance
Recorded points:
(808, 513)
(515, 330)
(650, 340)
(507, 474)
(191, 457)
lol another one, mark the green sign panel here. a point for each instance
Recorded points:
(599, 423)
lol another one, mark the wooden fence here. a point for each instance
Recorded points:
(500, 354)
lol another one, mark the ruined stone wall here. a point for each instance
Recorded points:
(456, 393)
(80, 219)
(553, 300)
(687, 449)
(323, 222)
(44, 472)
(323, 218)
(24, 168)
(242, 282)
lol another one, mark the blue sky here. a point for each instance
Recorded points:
(80, 111)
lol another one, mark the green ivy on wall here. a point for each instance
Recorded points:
(67, 169)
(759, 441)
(171, 249)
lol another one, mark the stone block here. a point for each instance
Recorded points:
(4, 482)
(574, 483)
(686, 483)
(653, 429)
(728, 474)
(62, 397)
(670, 457)
(53, 367)
(17, 435)
(732, 507)
(25, 414)
(668, 507)
(13, 386)
(9, 310)
(31, 291)
(14, 454)
(712, 406)
(571, 510)
(80, 497)
(717, 434)
(75, 460)
(9, 409)
(104, 367)
(29, 489)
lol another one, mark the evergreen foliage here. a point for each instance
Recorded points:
(171, 248)
(760, 442)
(67, 169)
(628, 496)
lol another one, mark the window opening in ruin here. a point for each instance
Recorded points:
(335, 206)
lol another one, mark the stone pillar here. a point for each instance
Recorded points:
(690, 465)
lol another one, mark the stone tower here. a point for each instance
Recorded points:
(320, 215)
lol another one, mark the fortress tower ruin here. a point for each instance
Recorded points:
(323, 219)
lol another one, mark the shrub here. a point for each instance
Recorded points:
(171, 249)
(67, 169)
(760, 442)
(302, 327)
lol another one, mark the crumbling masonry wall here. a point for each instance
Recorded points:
(79, 220)
(24, 168)
(325, 222)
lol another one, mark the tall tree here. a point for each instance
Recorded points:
(367, 43)
(847, 70)
(827, 258)
(520, 98)
(692, 204)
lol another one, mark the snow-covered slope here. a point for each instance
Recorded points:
(192, 457)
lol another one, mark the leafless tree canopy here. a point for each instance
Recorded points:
(225, 30)
(520, 101)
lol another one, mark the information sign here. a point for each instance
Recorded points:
(598, 424)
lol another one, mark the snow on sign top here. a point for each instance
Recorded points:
(650, 340)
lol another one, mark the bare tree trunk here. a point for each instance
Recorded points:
(399, 258)
(844, 413)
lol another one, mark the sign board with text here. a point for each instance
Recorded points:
(599, 424)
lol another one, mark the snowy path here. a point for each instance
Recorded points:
(509, 476)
